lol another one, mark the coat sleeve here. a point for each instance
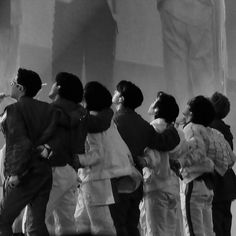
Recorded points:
(100, 122)
(93, 154)
(165, 141)
(197, 145)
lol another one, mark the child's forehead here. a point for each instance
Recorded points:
(159, 99)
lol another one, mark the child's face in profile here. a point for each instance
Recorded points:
(187, 113)
(153, 109)
(116, 97)
(16, 89)
(54, 91)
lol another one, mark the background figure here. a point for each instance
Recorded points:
(224, 187)
(90, 39)
(194, 47)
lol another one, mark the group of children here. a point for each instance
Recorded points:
(184, 177)
(75, 166)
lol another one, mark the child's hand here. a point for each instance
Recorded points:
(147, 175)
(45, 151)
(13, 181)
(184, 173)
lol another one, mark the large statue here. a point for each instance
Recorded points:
(194, 47)
(84, 36)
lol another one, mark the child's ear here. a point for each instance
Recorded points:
(155, 110)
(121, 99)
(58, 88)
(190, 115)
(21, 88)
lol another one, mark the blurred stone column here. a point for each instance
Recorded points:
(10, 20)
(9, 40)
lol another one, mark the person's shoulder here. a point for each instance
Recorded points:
(131, 117)
(36, 107)
(192, 129)
(221, 126)
(217, 123)
(194, 126)
(42, 105)
(12, 107)
(159, 125)
(79, 114)
(28, 101)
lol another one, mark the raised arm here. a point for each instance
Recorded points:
(100, 122)
(164, 141)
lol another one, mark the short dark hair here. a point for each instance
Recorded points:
(71, 87)
(221, 105)
(30, 80)
(202, 110)
(97, 96)
(168, 108)
(132, 94)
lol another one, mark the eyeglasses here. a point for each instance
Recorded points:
(14, 82)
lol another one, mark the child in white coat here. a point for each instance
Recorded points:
(106, 160)
(161, 183)
(210, 145)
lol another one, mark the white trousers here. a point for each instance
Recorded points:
(196, 207)
(190, 60)
(93, 219)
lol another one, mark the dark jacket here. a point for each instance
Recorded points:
(73, 124)
(70, 132)
(139, 134)
(28, 124)
(224, 187)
